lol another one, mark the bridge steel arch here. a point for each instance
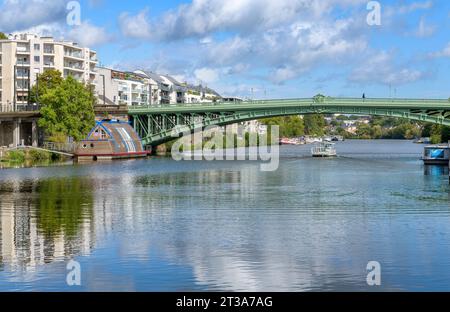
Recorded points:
(160, 124)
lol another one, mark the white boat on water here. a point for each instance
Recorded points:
(325, 149)
(287, 141)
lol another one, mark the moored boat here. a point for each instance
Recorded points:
(325, 149)
(110, 139)
(287, 141)
(436, 155)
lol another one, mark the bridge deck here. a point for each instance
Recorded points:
(422, 104)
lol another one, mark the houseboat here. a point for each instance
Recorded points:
(325, 149)
(436, 155)
(110, 139)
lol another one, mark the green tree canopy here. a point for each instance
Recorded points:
(290, 126)
(3, 36)
(314, 124)
(67, 107)
(50, 79)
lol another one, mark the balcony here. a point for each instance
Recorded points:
(76, 55)
(19, 107)
(22, 88)
(74, 66)
(22, 64)
(22, 50)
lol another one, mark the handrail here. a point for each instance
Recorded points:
(60, 147)
(372, 102)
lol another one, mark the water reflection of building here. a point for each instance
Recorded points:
(38, 223)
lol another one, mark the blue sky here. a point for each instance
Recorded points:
(262, 48)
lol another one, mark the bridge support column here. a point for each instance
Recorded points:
(34, 133)
(16, 132)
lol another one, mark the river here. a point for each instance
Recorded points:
(161, 225)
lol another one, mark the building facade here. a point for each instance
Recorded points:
(123, 88)
(23, 57)
(147, 88)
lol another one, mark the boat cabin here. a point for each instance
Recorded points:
(110, 139)
(436, 155)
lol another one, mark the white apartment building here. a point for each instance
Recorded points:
(147, 88)
(125, 88)
(23, 57)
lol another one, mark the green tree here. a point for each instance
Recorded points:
(377, 132)
(426, 131)
(314, 124)
(67, 108)
(3, 36)
(364, 131)
(50, 79)
(290, 126)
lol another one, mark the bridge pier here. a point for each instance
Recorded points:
(18, 131)
(34, 133)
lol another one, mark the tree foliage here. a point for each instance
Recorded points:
(67, 106)
(290, 126)
(314, 124)
(3, 36)
(50, 79)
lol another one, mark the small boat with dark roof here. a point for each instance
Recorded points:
(110, 139)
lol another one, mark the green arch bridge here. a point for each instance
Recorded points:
(158, 124)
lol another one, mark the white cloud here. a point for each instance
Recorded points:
(135, 26)
(50, 29)
(273, 40)
(23, 14)
(89, 35)
(289, 52)
(443, 53)
(379, 68)
(207, 75)
(414, 6)
(48, 18)
(203, 17)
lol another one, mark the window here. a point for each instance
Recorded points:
(436, 153)
(37, 59)
(37, 47)
(22, 60)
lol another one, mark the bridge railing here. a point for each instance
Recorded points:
(11, 108)
(59, 147)
(423, 103)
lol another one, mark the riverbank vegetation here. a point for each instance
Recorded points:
(358, 127)
(29, 157)
(21, 156)
(295, 126)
